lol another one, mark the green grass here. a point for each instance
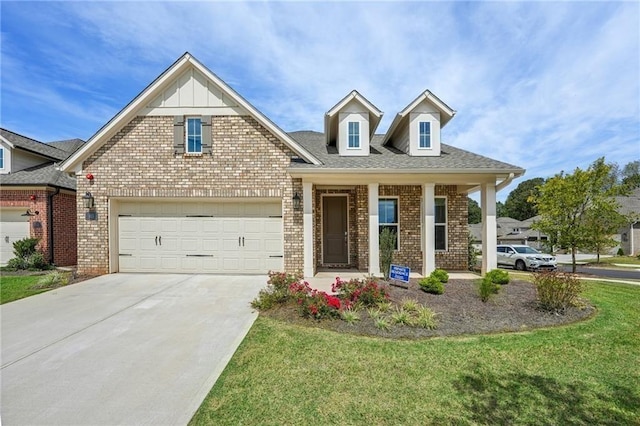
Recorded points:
(625, 260)
(585, 373)
(17, 287)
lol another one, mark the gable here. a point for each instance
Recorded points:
(193, 93)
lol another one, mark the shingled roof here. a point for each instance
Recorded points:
(388, 157)
(43, 174)
(33, 146)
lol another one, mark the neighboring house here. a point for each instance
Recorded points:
(190, 177)
(36, 200)
(512, 231)
(630, 234)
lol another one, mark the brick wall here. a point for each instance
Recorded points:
(64, 220)
(139, 161)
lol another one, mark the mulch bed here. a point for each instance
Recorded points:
(460, 311)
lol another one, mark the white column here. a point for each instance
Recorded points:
(374, 222)
(428, 228)
(307, 224)
(489, 230)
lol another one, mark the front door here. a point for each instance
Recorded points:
(334, 230)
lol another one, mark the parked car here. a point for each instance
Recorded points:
(522, 258)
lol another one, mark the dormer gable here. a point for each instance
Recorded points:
(416, 129)
(351, 123)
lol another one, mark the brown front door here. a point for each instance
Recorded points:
(334, 230)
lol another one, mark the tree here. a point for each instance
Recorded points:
(630, 175)
(602, 220)
(517, 204)
(475, 212)
(500, 209)
(568, 202)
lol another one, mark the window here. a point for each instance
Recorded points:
(388, 216)
(1, 158)
(425, 134)
(441, 223)
(194, 135)
(354, 134)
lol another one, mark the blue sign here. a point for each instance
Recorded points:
(400, 273)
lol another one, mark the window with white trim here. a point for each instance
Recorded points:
(193, 138)
(354, 134)
(388, 217)
(425, 134)
(441, 223)
(1, 158)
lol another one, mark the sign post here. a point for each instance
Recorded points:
(399, 275)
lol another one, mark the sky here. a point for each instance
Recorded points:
(547, 86)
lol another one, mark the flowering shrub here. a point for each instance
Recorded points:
(363, 292)
(319, 305)
(282, 280)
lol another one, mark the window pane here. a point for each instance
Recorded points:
(425, 134)
(441, 210)
(354, 134)
(388, 211)
(441, 238)
(194, 135)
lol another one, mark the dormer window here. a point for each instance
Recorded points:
(1, 158)
(194, 135)
(425, 134)
(354, 134)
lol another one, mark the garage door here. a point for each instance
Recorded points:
(13, 227)
(226, 238)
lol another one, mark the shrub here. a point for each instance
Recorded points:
(279, 290)
(282, 280)
(425, 318)
(620, 252)
(487, 288)
(374, 313)
(319, 305)
(26, 255)
(472, 254)
(431, 285)
(498, 276)
(52, 280)
(382, 324)
(400, 316)
(362, 292)
(384, 306)
(410, 305)
(441, 275)
(25, 247)
(556, 291)
(350, 316)
(387, 246)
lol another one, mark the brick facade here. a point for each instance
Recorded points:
(410, 250)
(247, 161)
(64, 220)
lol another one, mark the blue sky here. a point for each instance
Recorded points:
(547, 86)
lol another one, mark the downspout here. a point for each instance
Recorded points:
(50, 222)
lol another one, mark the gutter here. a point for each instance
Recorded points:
(300, 171)
(50, 222)
(505, 182)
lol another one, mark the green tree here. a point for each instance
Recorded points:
(517, 204)
(500, 209)
(602, 220)
(475, 212)
(630, 175)
(565, 203)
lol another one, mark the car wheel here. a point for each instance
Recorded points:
(520, 266)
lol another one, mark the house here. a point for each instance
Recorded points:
(630, 233)
(36, 199)
(512, 231)
(190, 177)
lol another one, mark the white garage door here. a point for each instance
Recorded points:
(13, 227)
(226, 238)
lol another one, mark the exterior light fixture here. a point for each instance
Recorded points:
(30, 213)
(297, 201)
(87, 200)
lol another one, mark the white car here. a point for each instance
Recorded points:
(522, 258)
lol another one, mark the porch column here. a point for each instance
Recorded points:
(428, 230)
(307, 224)
(489, 231)
(374, 222)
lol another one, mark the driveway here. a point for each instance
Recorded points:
(121, 348)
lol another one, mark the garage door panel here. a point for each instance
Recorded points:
(190, 243)
(274, 264)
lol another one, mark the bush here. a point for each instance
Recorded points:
(350, 316)
(556, 291)
(425, 318)
(319, 305)
(620, 252)
(387, 246)
(487, 288)
(25, 247)
(472, 254)
(26, 256)
(441, 275)
(498, 276)
(361, 292)
(278, 290)
(431, 285)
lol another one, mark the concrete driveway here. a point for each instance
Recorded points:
(121, 349)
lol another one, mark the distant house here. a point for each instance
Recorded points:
(512, 231)
(36, 200)
(630, 233)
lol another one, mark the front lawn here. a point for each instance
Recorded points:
(584, 373)
(14, 287)
(624, 260)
